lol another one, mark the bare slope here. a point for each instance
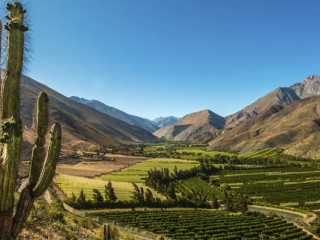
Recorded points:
(294, 127)
(285, 95)
(116, 113)
(82, 126)
(195, 127)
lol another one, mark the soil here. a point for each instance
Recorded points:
(90, 167)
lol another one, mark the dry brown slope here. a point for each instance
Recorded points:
(294, 127)
(277, 96)
(195, 127)
(82, 125)
(310, 86)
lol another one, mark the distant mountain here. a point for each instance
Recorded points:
(284, 95)
(165, 121)
(144, 123)
(294, 127)
(196, 127)
(82, 126)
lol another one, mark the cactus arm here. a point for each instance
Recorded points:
(23, 209)
(50, 163)
(27, 195)
(38, 153)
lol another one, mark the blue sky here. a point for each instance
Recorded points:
(156, 58)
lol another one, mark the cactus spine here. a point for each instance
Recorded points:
(43, 163)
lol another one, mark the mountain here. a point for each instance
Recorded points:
(82, 125)
(284, 95)
(165, 121)
(146, 124)
(294, 127)
(196, 127)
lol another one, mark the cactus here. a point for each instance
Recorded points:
(43, 163)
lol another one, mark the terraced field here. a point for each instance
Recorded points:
(202, 152)
(281, 186)
(204, 224)
(265, 153)
(187, 186)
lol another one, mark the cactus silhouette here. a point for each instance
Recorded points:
(43, 162)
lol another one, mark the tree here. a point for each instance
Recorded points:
(109, 192)
(215, 203)
(149, 199)
(73, 198)
(171, 193)
(228, 200)
(138, 194)
(199, 197)
(81, 200)
(97, 196)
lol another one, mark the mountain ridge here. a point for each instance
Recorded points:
(195, 127)
(165, 121)
(82, 126)
(294, 127)
(310, 86)
(116, 113)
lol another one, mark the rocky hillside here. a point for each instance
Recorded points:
(165, 121)
(144, 123)
(284, 95)
(82, 126)
(294, 127)
(196, 127)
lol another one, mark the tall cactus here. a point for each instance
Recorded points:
(43, 164)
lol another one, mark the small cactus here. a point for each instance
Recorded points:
(106, 232)
(43, 163)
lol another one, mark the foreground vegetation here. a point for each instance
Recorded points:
(50, 221)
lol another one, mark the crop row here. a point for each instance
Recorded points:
(287, 177)
(203, 224)
(269, 152)
(267, 170)
(276, 186)
(197, 184)
(279, 193)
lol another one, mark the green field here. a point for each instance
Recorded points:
(202, 152)
(182, 152)
(139, 171)
(280, 186)
(207, 224)
(122, 180)
(265, 153)
(73, 184)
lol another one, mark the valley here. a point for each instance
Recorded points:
(199, 164)
(169, 121)
(265, 178)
